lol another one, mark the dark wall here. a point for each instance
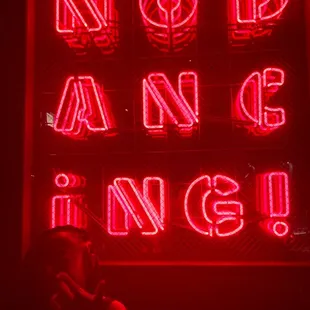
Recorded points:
(211, 288)
(13, 62)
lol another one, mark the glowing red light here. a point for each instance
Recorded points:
(68, 180)
(211, 205)
(62, 180)
(206, 210)
(83, 22)
(163, 106)
(251, 104)
(252, 18)
(274, 202)
(65, 208)
(129, 206)
(65, 211)
(170, 25)
(83, 109)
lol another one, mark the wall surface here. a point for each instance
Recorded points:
(211, 288)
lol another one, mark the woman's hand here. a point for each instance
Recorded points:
(72, 297)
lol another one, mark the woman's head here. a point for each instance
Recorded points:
(63, 249)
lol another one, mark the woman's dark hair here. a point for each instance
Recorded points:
(49, 250)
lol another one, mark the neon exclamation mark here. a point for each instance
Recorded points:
(274, 202)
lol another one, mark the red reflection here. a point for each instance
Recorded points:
(69, 180)
(129, 206)
(207, 210)
(163, 106)
(170, 25)
(251, 104)
(86, 22)
(274, 202)
(83, 109)
(254, 18)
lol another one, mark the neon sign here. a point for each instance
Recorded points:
(211, 207)
(275, 202)
(170, 25)
(251, 104)
(162, 105)
(83, 23)
(83, 109)
(145, 207)
(65, 208)
(254, 18)
(218, 217)
(185, 143)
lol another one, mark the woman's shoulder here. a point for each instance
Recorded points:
(116, 305)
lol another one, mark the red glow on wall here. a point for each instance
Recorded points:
(163, 106)
(129, 206)
(274, 202)
(84, 22)
(254, 18)
(170, 25)
(210, 208)
(251, 104)
(65, 208)
(83, 109)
